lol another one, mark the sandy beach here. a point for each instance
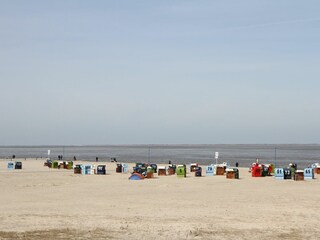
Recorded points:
(42, 203)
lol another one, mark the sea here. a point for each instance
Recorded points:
(243, 154)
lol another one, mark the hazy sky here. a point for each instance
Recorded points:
(130, 72)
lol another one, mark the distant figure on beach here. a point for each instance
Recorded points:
(74, 158)
(257, 161)
(237, 164)
(13, 156)
(113, 160)
(169, 162)
(97, 159)
(58, 157)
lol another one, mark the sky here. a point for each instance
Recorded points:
(80, 72)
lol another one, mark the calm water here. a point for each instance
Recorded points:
(282, 155)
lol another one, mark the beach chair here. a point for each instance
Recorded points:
(10, 166)
(265, 170)
(181, 171)
(287, 173)
(193, 167)
(124, 168)
(55, 164)
(316, 168)
(172, 169)
(86, 169)
(18, 165)
(77, 169)
(209, 170)
(232, 173)
(279, 173)
(198, 172)
(308, 173)
(154, 167)
(101, 169)
(219, 169)
(256, 170)
(149, 172)
(271, 169)
(162, 171)
(69, 165)
(119, 168)
(299, 175)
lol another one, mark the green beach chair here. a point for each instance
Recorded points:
(181, 171)
(70, 165)
(55, 164)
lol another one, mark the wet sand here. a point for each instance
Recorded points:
(41, 203)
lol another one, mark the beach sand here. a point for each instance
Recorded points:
(41, 203)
